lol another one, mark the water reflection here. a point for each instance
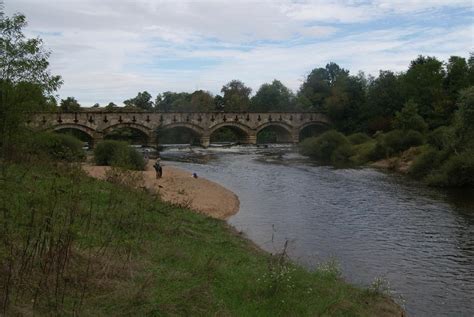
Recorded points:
(375, 224)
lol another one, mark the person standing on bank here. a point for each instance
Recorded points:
(158, 169)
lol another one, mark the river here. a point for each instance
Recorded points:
(374, 224)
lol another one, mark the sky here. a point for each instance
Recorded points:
(109, 50)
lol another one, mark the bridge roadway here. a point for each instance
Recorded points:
(288, 125)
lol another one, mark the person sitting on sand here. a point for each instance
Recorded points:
(158, 169)
(195, 175)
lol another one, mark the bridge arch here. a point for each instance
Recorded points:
(274, 132)
(145, 134)
(195, 128)
(144, 129)
(241, 132)
(179, 133)
(312, 128)
(69, 126)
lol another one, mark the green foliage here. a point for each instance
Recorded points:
(69, 104)
(396, 141)
(118, 153)
(464, 119)
(429, 159)
(272, 97)
(236, 96)
(142, 101)
(409, 119)
(457, 171)
(317, 86)
(384, 98)
(358, 138)
(442, 138)
(26, 84)
(323, 148)
(198, 101)
(24, 60)
(342, 155)
(457, 77)
(364, 153)
(57, 146)
(423, 82)
(111, 107)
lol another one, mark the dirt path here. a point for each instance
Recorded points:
(178, 186)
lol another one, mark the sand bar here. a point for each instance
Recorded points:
(179, 187)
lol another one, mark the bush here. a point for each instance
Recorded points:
(57, 146)
(358, 138)
(396, 141)
(118, 153)
(429, 159)
(442, 138)
(322, 147)
(363, 152)
(341, 156)
(457, 171)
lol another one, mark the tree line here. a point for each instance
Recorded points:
(353, 102)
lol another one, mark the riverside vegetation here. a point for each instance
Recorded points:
(443, 157)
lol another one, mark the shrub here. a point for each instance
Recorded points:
(118, 153)
(429, 159)
(358, 138)
(442, 138)
(409, 119)
(322, 147)
(396, 141)
(363, 152)
(457, 171)
(57, 146)
(341, 156)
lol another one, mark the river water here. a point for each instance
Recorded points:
(373, 224)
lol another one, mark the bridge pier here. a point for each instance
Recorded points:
(97, 138)
(205, 141)
(152, 140)
(249, 139)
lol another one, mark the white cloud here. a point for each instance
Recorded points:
(109, 50)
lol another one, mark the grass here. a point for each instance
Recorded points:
(72, 245)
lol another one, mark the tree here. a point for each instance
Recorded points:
(470, 64)
(423, 82)
(236, 96)
(317, 86)
(142, 101)
(409, 119)
(111, 107)
(384, 98)
(173, 101)
(24, 60)
(96, 105)
(69, 104)
(464, 119)
(344, 103)
(202, 101)
(25, 81)
(219, 103)
(273, 97)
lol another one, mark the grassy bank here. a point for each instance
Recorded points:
(75, 245)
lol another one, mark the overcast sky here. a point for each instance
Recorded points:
(108, 50)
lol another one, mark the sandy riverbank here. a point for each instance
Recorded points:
(178, 186)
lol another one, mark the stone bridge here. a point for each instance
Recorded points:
(287, 125)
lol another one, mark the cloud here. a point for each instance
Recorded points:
(109, 50)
